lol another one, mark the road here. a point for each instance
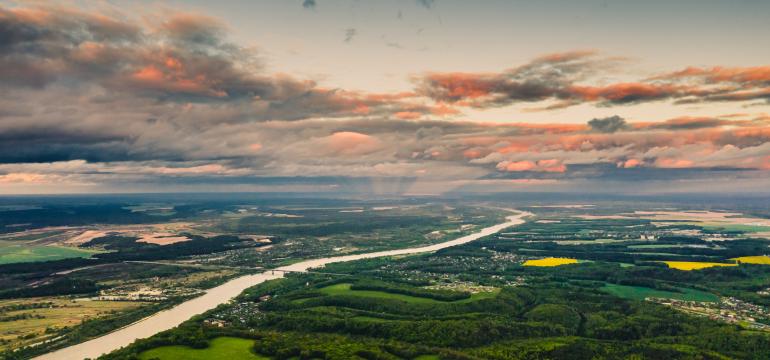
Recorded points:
(168, 319)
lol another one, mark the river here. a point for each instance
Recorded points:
(168, 319)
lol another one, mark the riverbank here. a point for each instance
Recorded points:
(213, 297)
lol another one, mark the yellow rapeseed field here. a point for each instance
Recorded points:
(694, 265)
(550, 262)
(763, 259)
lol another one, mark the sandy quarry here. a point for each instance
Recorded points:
(162, 238)
(160, 234)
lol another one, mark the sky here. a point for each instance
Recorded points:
(412, 97)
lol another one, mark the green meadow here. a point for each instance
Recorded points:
(733, 227)
(224, 348)
(15, 252)
(640, 293)
(344, 289)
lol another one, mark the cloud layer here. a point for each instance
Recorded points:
(564, 79)
(88, 99)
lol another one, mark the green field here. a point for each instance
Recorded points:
(14, 253)
(34, 236)
(640, 293)
(370, 318)
(344, 289)
(660, 246)
(32, 321)
(226, 348)
(733, 227)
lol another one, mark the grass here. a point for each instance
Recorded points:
(371, 319)
(62, 312)
(597, 241)
(15, 253)
(225, 348)
(733, 227)
(661, 246)
(551, 261)
(762, 260)
(694, 265)
(427, 357)
(34, 236)
(653, 253)
(344, 289)
(640, 293)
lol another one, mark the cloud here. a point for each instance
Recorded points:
(564, 80)
(88, 98)
(437, 151)
(184, 55)
(691, 123)
(630, 163)
(608, 125)
(426, 3)
(183, 58)
(22, 178)
(625, 93)
(194, 29)
(757, 75)
(547, 77)
(546, 165)
(350, 33)
(309, 4)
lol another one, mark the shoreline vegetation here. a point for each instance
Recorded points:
(221, 294)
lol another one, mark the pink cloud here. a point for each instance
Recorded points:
(202, 169)
(756, 74)
(351, 143)
(408, 115)
(524, 165)
(547, 165)
(14, 178)
(673, 163)
(631, 163)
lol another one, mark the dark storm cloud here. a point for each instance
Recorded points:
(608, 125)
(39, 152)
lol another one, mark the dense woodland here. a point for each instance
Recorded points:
(543, 321)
